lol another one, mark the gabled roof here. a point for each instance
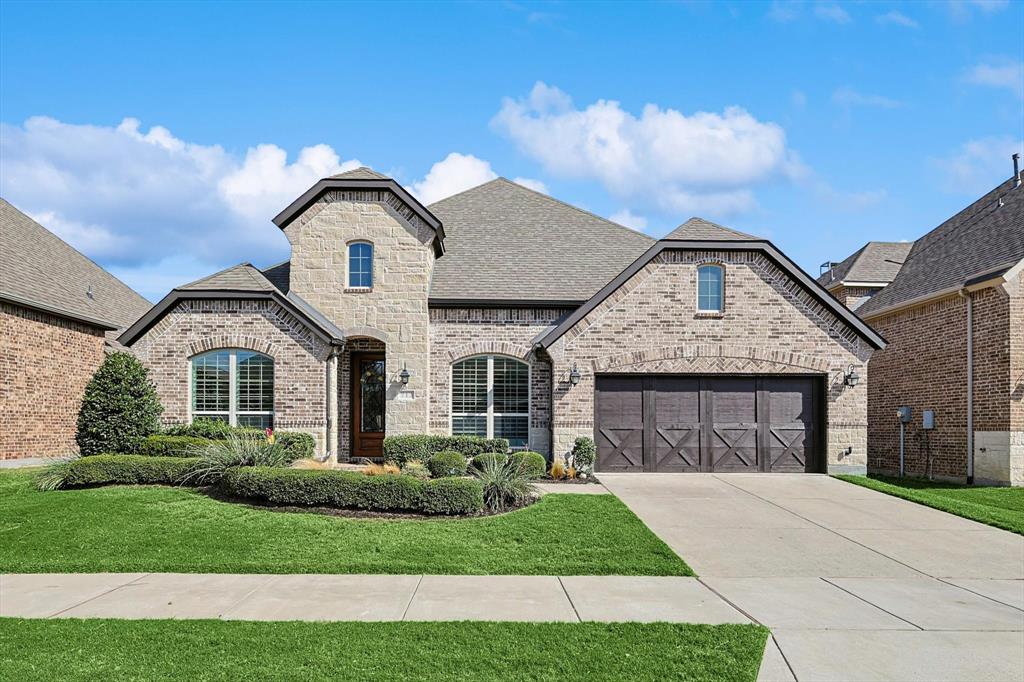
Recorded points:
(986, 237)
(725, 244)
(699, 228)
(509, 243)
(363, 178)
(39, 270)
(875, 262)
(242, 281)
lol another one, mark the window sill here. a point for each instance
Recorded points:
(358, 290)
(710, 315)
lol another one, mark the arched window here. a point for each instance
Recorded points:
(491, 398)
(234, 386)
(710, 280)
(360, 265)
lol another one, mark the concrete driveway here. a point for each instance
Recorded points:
(855, 584)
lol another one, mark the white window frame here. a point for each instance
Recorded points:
(490, 414)
(721, 292)
(348, 264)
(233, 411)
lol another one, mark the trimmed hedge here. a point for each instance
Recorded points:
(400, 449)
(172, 446)
(534, 464)
(125, 470)
(353, 490)
(447, 463)
(299, 445)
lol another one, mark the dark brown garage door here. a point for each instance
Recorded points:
(679, 424)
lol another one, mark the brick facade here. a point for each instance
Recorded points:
(197, 326)
(458, 333)
(853, 297)
(769, 325)
(925, 367)
(45, 364)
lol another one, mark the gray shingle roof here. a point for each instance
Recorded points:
(700, 229)
(506, 242)
(241, 277)
(38, 268)
(361, 173)
(873, 262)
(983, 237)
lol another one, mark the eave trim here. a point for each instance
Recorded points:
(57, 312)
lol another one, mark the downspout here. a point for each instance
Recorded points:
(970, 384)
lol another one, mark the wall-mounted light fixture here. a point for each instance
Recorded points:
(404, 375)
(851, 378)
(574, 375)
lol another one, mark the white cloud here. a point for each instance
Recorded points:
(848, 97)
(702, 163)
(629, 219)
(1003, 73)
(458, 172)
(530, 183)
(784, 11)
(977, 165)
(831, 12)
(895, 18)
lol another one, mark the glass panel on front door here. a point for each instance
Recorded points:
(371, 391)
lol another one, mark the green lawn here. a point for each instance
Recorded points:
(166, 529)
(98, 649)
(999, 507)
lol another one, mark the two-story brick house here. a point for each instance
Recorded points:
(503, 312)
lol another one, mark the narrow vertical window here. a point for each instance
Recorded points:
(360, 265)
(709, 288)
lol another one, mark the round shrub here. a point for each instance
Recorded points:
(584, 452)
(173, 446)
(481, 461)
(452, 496)
(297, 444)
(119, 407)
(201, 427)
(533, 464)
(416, 469)
(447, 463)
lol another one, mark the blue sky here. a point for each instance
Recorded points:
(161, 138)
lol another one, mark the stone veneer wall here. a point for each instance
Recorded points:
(197, 326)
(925, 367)
(457, 333)
(394, 311)
(769, 325)
(45, 363)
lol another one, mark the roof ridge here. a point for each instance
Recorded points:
(211, 275)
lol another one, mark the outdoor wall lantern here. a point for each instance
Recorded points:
(574, 375)
(851, 378)
(403, 376)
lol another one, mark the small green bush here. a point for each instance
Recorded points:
(583, 455)
(297, 444)
(351, 490)
(533, 464)
(478, 462)
(400, 449)
(416, 469)
(172, 446)
(116, 469)
(119, 407)
(447, 463)
(201, 427)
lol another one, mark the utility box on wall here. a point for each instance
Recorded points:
(928, 420)
(905, 414)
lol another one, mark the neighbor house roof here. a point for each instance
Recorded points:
(242, 281)
(41, 271)
(364, 178)
(508, 243)
(986, 238)
(875, 263)
(699, 228)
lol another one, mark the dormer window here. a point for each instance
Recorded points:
(710, 279)
(360, 265)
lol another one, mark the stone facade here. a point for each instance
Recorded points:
(769, 325)
(197, 326)
(925, 367)
(45, 364)
(459, 333)
(394, 311)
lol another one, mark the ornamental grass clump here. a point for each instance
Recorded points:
(236, 451)
(416, 469)
(507, 484)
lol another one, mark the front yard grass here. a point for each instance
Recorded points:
(999, 507)
(217, 650)
(182, 530)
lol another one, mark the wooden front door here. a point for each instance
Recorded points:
(369, 400)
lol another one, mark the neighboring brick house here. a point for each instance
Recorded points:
(503, 312)
(865, 272)
(953, 317)
(57, 311)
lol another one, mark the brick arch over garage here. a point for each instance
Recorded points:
(466, 350)
(252, 343)
(700, 358)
